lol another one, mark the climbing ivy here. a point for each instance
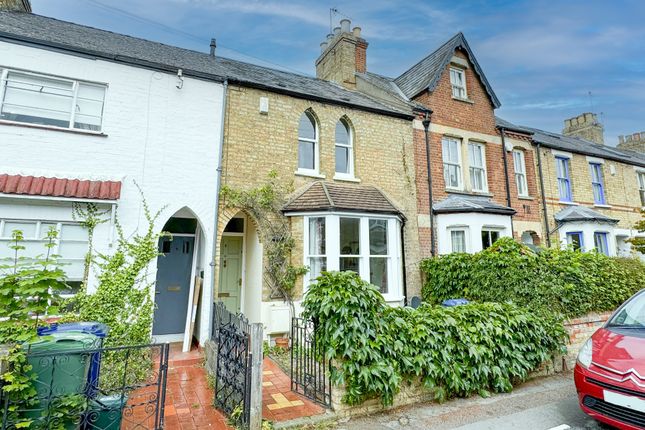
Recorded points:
(265, 204)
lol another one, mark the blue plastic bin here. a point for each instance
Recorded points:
(97, 329)
(454, 302)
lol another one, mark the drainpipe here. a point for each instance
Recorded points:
(546, 215)
(218, 182)
(405, 286)
(426, 126)
(508, 184)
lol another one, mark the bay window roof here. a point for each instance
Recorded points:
(323, 196)
(464, 203)
(582, 214)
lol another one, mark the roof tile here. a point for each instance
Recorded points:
(59, 187)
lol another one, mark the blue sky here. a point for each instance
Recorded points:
(541, 57)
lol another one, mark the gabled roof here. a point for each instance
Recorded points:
(78, 39)
(582, 214)
(327, 196)
(59, 187)
(576, 144)
(426, 73)
(457, 203)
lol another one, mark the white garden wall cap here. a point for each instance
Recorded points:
(582, 213)
(50, 33)
(328, 196)
(459, 203)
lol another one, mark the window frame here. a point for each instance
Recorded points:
(350, 150)
(595, 169)
(640, 178)
(581, 237)
(568, 195)
(520, 172)
(489, 230)
(482, 168)
(605, 242)
(316, 141)
(332, 248)
(38, 236)
(460, 88)
(465, 230)
(458, 164)
(76, 83)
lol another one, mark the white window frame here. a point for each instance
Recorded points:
(482, 168)
(332, 248)
(40, 237)
(316, 141)
(489, 229)
(519, 165)
(640, 177)
(458, 164)
(350, 149)
(4, 73)
(459, 87)
(463, 228)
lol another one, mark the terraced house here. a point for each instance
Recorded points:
(592, 192)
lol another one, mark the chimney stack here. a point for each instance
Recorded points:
(15, 5)
(585, 126)
(342, 55)
(213, 47)
(633, 142)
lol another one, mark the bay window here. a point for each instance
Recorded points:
(368, 245)
(458, 240)
(489, 237)
(601, 243)
(51, 101)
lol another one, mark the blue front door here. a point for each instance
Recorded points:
(173, 284)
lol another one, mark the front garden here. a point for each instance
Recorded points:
(513, 325)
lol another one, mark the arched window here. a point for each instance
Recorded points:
(307, 144)
(344, 150)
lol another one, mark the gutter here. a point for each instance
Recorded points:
(426, 126)
(218, 181)
(506, 180)
(544, 210)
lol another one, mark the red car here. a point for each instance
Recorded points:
(610, 371)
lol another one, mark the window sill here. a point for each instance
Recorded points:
(459, 99)
(562, 202)
(346, 178)
(309, 174)
(53, 128)
(602, 206)
(467, 193)
(525, 198)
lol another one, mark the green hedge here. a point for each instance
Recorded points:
(569, 282)
(457, 351)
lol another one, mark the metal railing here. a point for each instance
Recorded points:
(310, 372)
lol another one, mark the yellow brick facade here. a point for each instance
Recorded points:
(620, 186)
(257, 143)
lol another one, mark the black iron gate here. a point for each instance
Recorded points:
(310, 372)
(90, 388)
(233, 367)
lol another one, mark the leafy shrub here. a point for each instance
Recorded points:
(457, 351)
(569, 282)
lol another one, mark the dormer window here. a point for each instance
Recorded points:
(458, 83)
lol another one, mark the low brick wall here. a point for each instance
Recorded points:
(579, 330)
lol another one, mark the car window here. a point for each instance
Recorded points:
(632, 314)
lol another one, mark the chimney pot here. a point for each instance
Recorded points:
(344, 25)
(213, 47)
(336, 31)
(330, 37)
(323, 46)
(357, 31)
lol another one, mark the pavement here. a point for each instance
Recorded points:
(540, 404)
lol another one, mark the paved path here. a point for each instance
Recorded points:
(540, 404)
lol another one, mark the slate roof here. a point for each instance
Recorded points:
(328, 196)
(582, 214)
(59, 187)
(458, 203)
(577, 145)
(426, 73)
(61, 35)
